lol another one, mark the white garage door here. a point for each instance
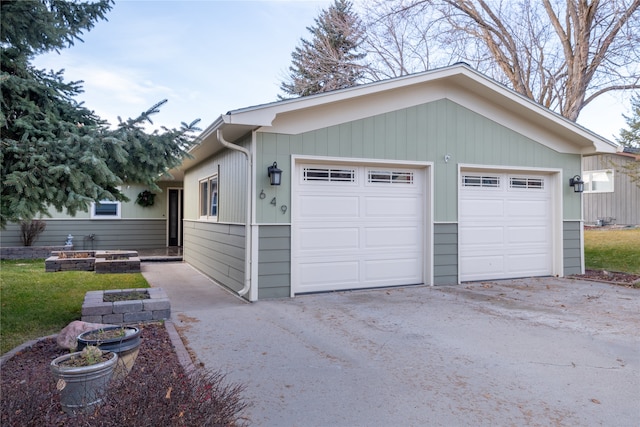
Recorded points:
(357, 227)
(505, 226)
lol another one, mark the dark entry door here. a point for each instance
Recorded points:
(175, 217)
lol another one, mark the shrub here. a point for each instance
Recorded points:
(30, 229)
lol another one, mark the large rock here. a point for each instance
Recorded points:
(67, 338)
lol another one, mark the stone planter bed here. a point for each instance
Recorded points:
(98, 261)
(155, 307)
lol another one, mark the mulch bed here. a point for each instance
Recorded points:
(158, 391)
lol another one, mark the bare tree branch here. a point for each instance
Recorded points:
(562, 54)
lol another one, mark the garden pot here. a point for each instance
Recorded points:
(82, 387)
(126, 346)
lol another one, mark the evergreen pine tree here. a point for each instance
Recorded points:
(331, 59)
(55, 152)
(631, 137)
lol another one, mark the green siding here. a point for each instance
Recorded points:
(232, 184)
(108, 234)
(274, 261)
(218, 250)
(130, 209)
(423, 133)
(572, 248)
(624, 203)
(445, 254)
(268, 212)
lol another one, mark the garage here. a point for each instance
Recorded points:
(505, 225)
(357, 226)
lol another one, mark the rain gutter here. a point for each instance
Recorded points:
(247, 226)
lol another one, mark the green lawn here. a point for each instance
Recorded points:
(612, 250)
(35, 303)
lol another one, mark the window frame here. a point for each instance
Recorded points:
(205, 206)
(118, 214)
(587, 177)
(481, 181)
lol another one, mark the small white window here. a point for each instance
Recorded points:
(390, 177)
(208, 196)
(329, 175)
(527, 183)
(106, 209)
(600, 181)
(480, 181)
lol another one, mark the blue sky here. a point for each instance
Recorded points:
(208, 57)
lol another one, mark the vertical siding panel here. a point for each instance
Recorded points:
(379, 136)
(440, 127)
(369, 137)
(345, 138)
(309, 143)
(333, 141)
(390, 142)
(401, 135)
(357, 139)
(422, 132)
(269, 144)
(623, 204)
(322, 142)
(411, 137)
(430, 136)
(282, 193)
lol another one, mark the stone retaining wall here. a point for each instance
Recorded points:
(98, 261)
(95, 310)
(30, 252)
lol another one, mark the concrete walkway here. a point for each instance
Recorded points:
(527, 352)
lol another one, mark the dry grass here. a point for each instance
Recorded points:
(613, 249)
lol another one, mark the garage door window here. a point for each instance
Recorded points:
(480, 181)
(390, 177)
(329, 175)
(527, 183)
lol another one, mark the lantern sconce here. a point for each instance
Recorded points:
(274, 174)
(577, 183)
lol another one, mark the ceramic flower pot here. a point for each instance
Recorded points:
(122, 340)
(82, 387)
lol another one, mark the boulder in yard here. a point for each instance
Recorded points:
(67, 337)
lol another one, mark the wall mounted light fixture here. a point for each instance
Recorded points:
(577, 183)
(274, 174)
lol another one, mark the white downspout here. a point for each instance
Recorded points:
(247, 227)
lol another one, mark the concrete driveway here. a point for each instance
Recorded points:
(534, 352)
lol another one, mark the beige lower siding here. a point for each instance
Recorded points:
(217, 250)
(131, 234)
